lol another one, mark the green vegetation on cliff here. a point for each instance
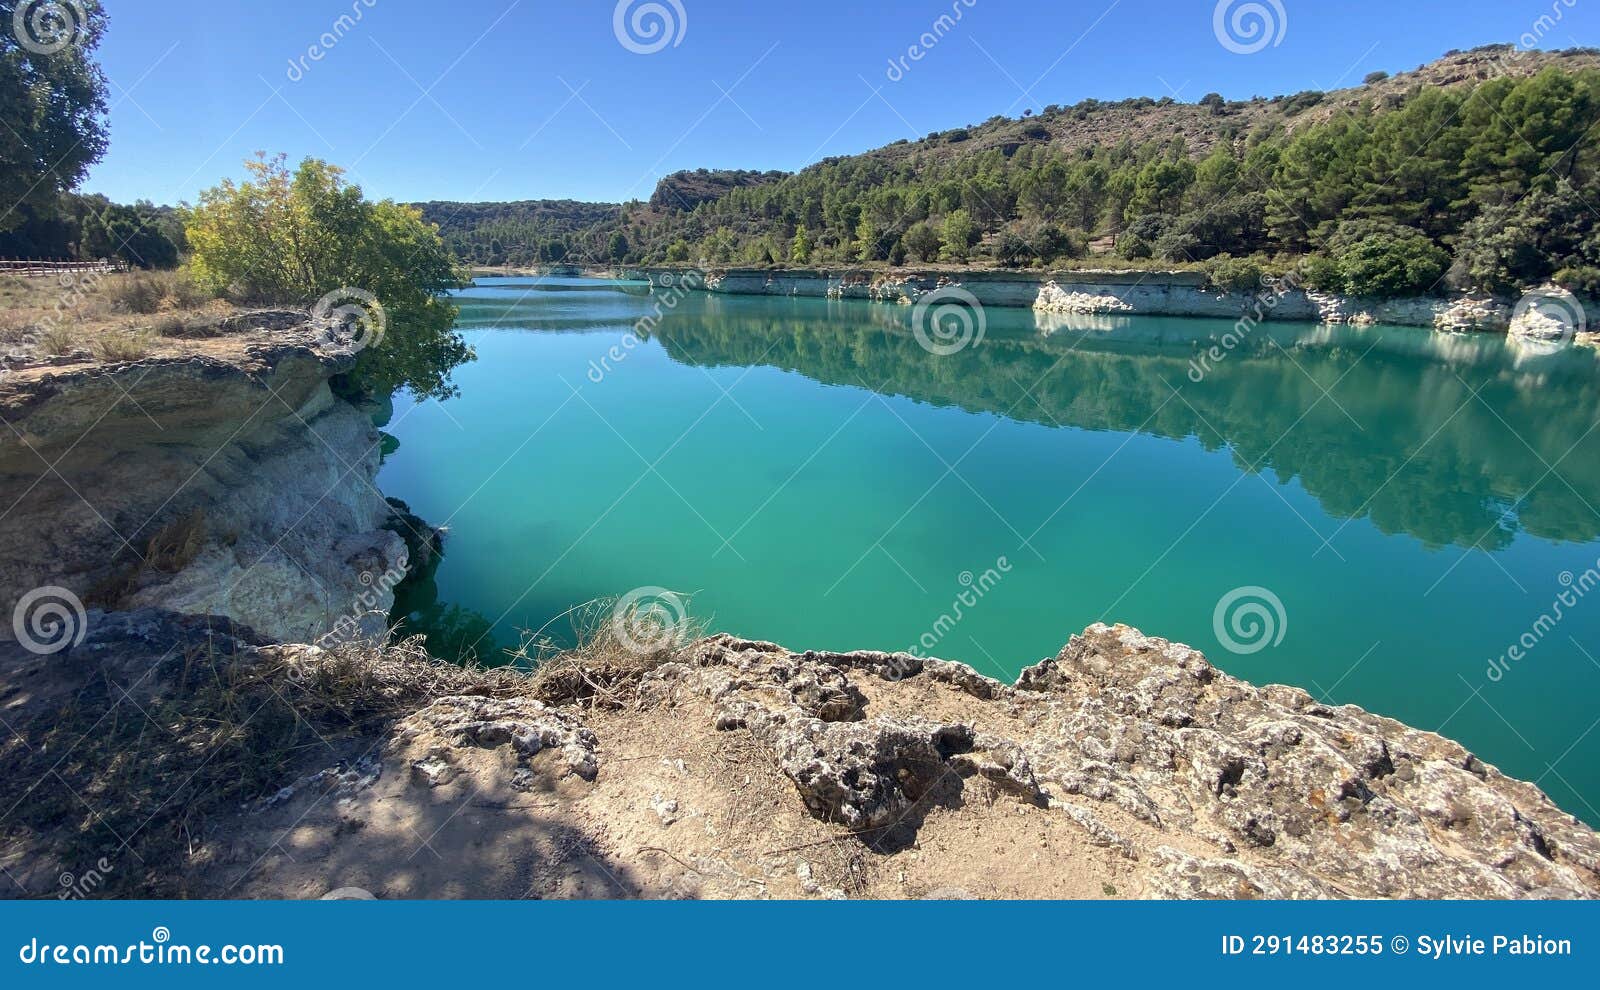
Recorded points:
(309, 238)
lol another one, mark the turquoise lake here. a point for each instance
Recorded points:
(808, 473)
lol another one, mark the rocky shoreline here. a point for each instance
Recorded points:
(1109, 292)
(1126, 766)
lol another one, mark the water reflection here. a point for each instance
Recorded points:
(1451, 439)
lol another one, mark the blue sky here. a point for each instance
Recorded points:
(527, 99)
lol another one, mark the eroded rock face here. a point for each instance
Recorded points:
(231, 482)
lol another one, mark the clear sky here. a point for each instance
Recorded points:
(530, 99)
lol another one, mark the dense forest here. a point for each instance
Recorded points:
(77, 227)
(1470, 173)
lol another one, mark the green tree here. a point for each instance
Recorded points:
(869, 244)
(1161, 186)
(959, 234)
(617, 247)
(800, 248)
(309, 236)
(53, 108)
(923, 242)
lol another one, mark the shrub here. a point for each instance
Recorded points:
(1234, 274)
(1375, 77)
(1583, 280)
(1320, 272)
(1382, 259)
(1133, 247)
(283, 238)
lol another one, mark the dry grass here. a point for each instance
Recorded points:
(618, 644)
(121, 345)
(114, 317)
(212, 731)
(57, 339)
(178, 543)
(146, 293)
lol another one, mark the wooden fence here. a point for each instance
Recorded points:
(32, 268)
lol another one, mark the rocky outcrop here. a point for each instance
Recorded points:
(1125, 766)
(225, 480)
(1108, 293)
(1286, 796)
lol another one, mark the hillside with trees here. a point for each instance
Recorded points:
(1467, 173)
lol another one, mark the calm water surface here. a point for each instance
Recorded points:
(812, 476)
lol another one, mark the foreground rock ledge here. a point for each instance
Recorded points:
(1126, 766)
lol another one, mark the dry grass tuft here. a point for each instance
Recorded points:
(57, 339)
(618, 643)
(122, 345)
(144, 293)
(178, 543)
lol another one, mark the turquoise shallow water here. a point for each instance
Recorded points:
(811, 475)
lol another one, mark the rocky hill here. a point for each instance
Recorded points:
(1200, 125)
(688, 189)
